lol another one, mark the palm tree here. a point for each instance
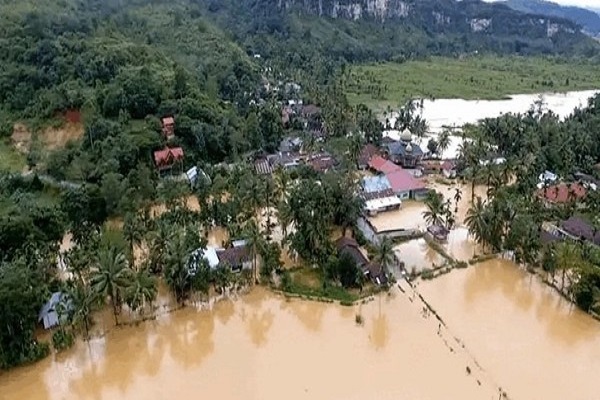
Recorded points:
(435, 209)
(255, 242)
(177, 259)
(133, 233)
(384, 254)
(457, 198)
(443, 141)
(143, 289)
(222, 277)
(284, 216)
(356, 145)
(476, 221)
(83, 300)
(112, 276)
(282, 183)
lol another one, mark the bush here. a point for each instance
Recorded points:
(61, 340)
(462, 264)
(427, 274)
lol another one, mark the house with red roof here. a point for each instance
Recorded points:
(168, 127)
(168, 158)
(406, 186)
(562, 193)
(383, 166)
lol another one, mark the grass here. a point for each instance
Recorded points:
(482, 77)
(10, 159)
(307, 282)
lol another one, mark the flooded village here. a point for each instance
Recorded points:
(447, 318)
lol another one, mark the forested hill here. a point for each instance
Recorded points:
(110, 55)
(369, 29)
(589, 20)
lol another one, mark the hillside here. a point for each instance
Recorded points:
(587, 19)
(360, 30)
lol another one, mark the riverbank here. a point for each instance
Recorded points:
(482, 77)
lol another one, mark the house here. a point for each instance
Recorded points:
(404, 152)
(236, 257)
(381, 165)
(378, 195)
(168, 158)
(54, 310)
(263, 167)
(322, 162)
(168, 127)
(366, 154)
(449, 169)
(580, 229)
(431, 167)
(310, 111)
(405, 186)
(562, 193)
(373, 271)
(437, 232)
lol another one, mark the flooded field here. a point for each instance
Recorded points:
(263, 347)
(535, 344)
(460, 246)
(409, 216)
(417, 256)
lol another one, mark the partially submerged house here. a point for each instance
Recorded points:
(322, 162)
(54, 310)
(168, 127)
(404, 152)
(237, 257)
(406, 186)
(378, 195)
(168, 159)
(373, 271)
(580, 229)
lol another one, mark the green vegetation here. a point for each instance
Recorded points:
(10, 159)
(512, 216)
(309, 282)
(476, 77)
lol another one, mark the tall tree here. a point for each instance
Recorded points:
(111, 276)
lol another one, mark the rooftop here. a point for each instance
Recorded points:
(404, 148)
(582, 229)
(382, 165)
(367, 153)
(373, 184)
(167, 156)
(563, 192)
(402, 180)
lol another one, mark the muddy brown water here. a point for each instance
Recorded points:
(533, 342)
(261, 346)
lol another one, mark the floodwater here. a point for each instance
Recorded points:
(460, 246)
(534, 343)
(263, 346)
(444, 113)
(417, 256)
(409, 216)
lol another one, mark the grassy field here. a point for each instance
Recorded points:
(486, 77)
(10, 159)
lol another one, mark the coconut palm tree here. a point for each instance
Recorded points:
(133, 232)
(177, 259)
(434, 215)
(443, 142)
(143, 289)
(255, 241)
(284, 216)
(282, 183)
(457, 199)
(476, 221)
(384, 255)
(356, 145)
(83, 301)
(111, 276)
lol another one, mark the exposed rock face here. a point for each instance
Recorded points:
(473, 16)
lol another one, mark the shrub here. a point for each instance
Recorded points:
(427, 274)
(358, 319)
(61, 340)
